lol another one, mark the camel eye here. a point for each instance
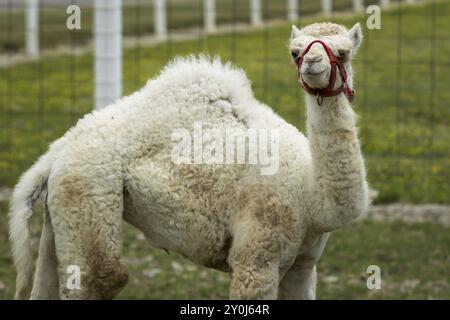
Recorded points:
(295, 54)
(343, 55)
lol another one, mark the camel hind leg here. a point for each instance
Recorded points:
(87, 221)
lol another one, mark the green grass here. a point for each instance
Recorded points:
(403, 103)
(401, 81)
(413, 259)
(138, 19)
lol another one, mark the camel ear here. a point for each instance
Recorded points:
(355, 35)
(295, 32)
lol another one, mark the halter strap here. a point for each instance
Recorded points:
(328, 91)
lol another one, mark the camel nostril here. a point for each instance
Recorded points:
(313, 57)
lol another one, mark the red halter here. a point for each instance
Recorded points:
(328, 91)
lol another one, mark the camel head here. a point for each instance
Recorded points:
(313, 63)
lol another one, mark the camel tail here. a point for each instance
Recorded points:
(26, 193)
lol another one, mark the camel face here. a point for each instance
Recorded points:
(316, 68)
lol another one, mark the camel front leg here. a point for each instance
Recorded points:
(299, 283)
(254, 261)
(254, 281)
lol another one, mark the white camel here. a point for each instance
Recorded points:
(116, 164)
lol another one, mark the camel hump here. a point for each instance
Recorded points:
(203, 78)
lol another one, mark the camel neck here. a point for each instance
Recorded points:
(338, 172)
(335, 113)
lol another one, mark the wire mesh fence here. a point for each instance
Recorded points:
(401, 70)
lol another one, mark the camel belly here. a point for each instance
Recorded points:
(177, 216)
(187, 233)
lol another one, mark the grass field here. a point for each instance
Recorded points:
(138, 19)
(403, 96)
(413, 259)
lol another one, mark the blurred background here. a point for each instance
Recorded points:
(53, 71)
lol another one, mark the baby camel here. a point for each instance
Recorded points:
(117, 164)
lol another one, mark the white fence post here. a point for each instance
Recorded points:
(209, 7)
(327, 7)
(160, 17)
(384, 3)
(255, 12)
(32, 28)
(358, 5)
(292, 6)
(108, 51)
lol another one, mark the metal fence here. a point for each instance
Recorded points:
(48, 79)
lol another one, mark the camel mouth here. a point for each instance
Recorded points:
(315, 79)
(310, 73)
